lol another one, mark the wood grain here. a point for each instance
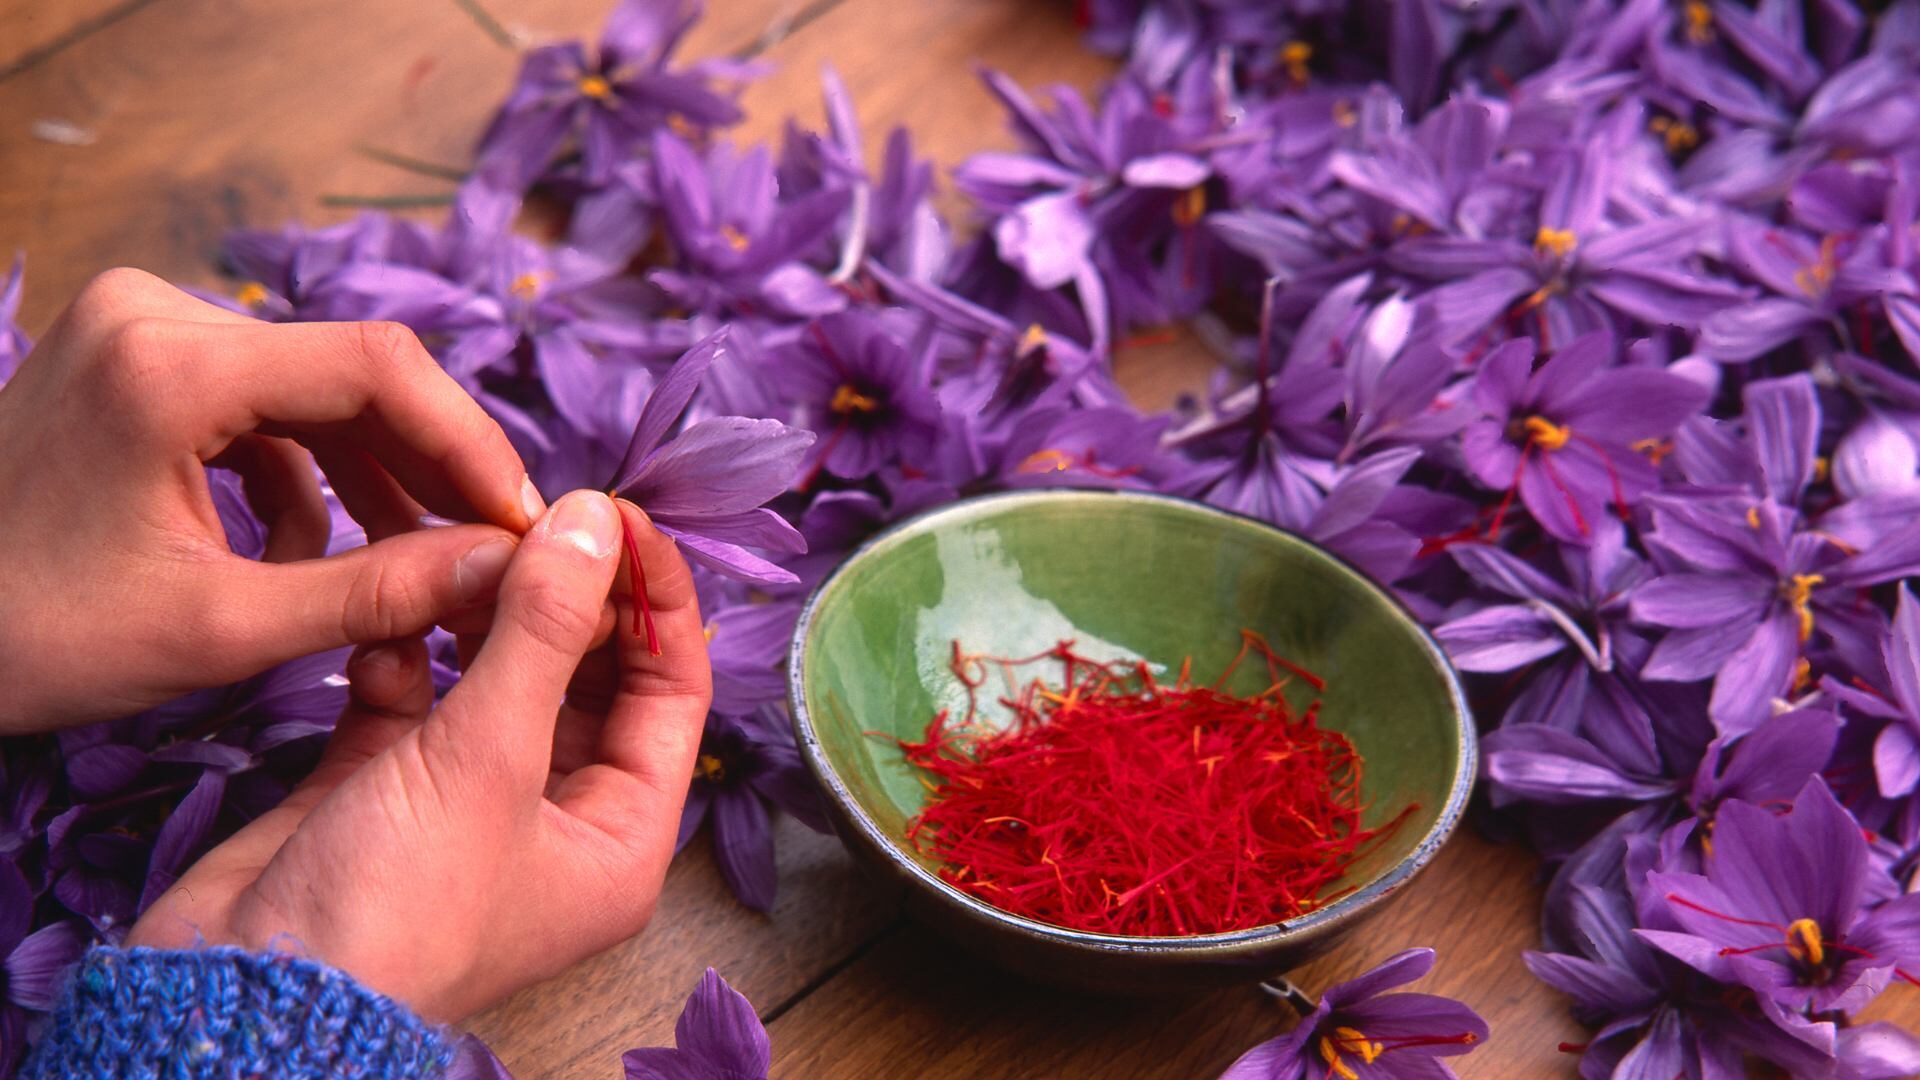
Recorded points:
(213, 113)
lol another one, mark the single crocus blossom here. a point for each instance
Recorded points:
(718, 1037)
(1894, 697)
(865, 391)
(1357, 1031)
(1781, 908)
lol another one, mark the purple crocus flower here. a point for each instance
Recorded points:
(1563, 436)
(740, 247)
(606, 104)
(1780, 908)
(865, 391)
(747, 648)
(1359, 1032)
(1813, 283)
(718, 1037)
(1107, 447)
(1896, 752)
(34, 961)
(746, 764)
(704, 487)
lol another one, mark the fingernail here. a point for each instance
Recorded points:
(588, 521)
(530, 500)
(380, 658)
(479, 571)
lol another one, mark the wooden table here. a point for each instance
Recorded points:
(137, 131)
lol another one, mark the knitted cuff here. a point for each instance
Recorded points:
(225, 1012)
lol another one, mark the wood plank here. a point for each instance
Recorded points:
(33, 32)
(208, 114)
(578, 1024)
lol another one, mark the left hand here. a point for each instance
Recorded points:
(449, 856)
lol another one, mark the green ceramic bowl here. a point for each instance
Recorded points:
(1122, 574)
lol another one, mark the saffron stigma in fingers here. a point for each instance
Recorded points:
(642, 608)
(1115, 803)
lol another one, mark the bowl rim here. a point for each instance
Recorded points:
(1345, 909)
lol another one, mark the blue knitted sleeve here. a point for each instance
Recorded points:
(226, 1012)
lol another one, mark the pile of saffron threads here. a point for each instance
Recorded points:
(1114, 804)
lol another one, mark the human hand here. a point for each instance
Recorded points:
(117, 588)
(448, 856)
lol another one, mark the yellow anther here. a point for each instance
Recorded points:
(735, 239)
(1753, 517)
(1034, 338)
(847, 400)
(1802, 675)
(1296, 55)
(527, 285)
(1190, 207)
(1699, 22)
(1336, 1065)
(595, 86)
(1655, 449)
(1345, 114)
(1045, 461)
(1815, 278)
(1805, 935)
(710, 768)
(1678, 135)
(1546, 434)
(1822, 468)
(1358, 1044)
(252, 294)
(709, 630)
(1558, 243)
(682, 127)
(1799, 594)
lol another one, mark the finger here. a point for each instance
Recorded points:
(497, 723)
(278, 479)
(242, 617)
(370, 495)
(377, 382)
(659, 706)
(390, 693)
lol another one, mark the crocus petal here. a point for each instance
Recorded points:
(1755, 674)
(720, 1027)
(1901, 652)
(1173, 170)
(1546, 765)
(1047, 239)
(1396, 970)
(1879, 1051)
(36, 965)
(1896, 760)
(1738, 334)
(1410, 1015)
(1783, 416)
(724, 465)
(1875, 456)
(730, 559)
(668, 400)
(1500, 638)
(1698, 600)
(743, 846)
(761, 528)
(663, 1063)
(183, 834)
(1592, 985)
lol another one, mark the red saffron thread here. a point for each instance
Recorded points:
(642, 609)
(1116, 803)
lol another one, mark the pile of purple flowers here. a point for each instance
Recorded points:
(1589, 327)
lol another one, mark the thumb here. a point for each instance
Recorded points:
(498, 720)
(264, 613)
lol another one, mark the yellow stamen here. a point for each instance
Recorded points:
(1336, 1066)
(848, 400)
(1799, 595)
(1555, 242)
(1822, 468)
(1816, 278)
(1546, 434)
(595, 86)
(1678, 135)
(1345, 114)
(1802, 675)
(1034, 338)
(1046, 461)
(1753, 517)
(710, 768)
(735, 239)
(1809, 947)
(527, 285)
(682, 127)
(252, 294)
(1296, 55)
(1655, 449)
(709, 630)
(1190, 207)
(1699, 22)
(1353, 1040)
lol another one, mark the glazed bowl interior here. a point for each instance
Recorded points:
(1123, 575)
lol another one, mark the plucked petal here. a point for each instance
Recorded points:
(1500, 638)
(37, 964)
(668, 400)
(720, 1027)
(724, 465)
(1755, 674)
